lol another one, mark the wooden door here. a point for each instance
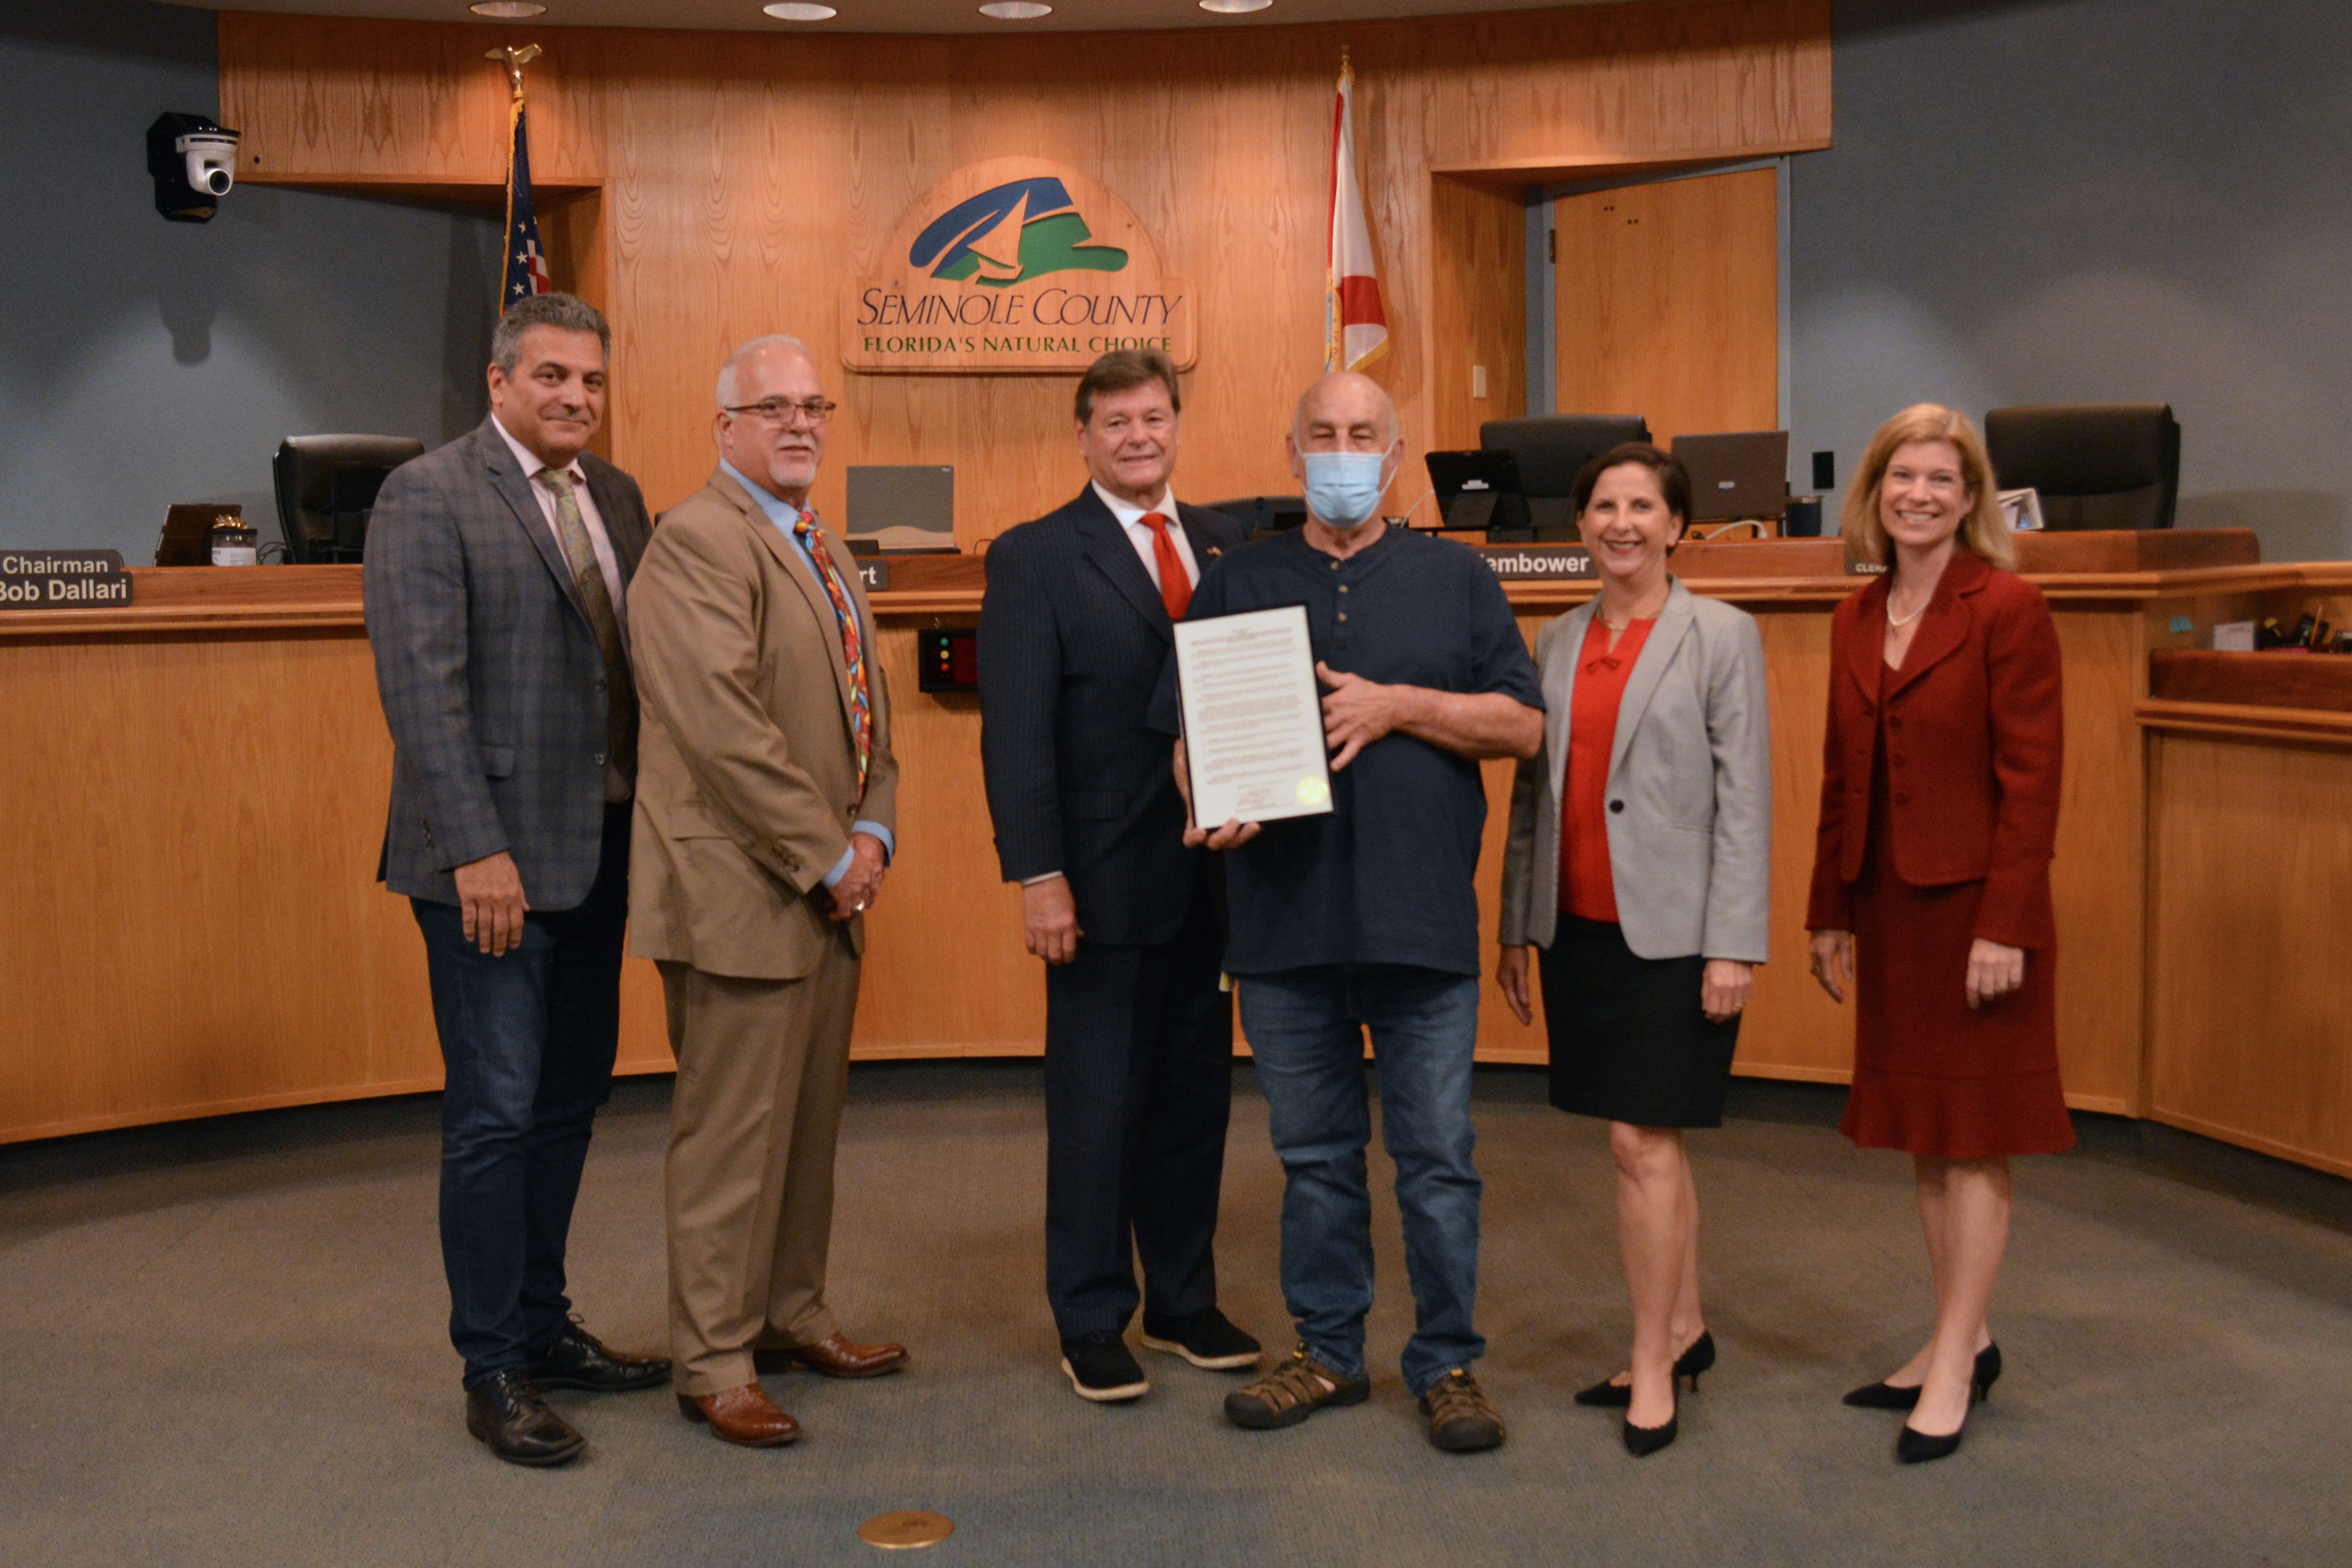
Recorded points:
(1669, 303)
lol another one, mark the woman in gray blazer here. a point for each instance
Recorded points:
(1638, 861)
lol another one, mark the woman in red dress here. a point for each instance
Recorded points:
(1931, 878)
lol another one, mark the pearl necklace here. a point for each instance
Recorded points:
(1914, 616)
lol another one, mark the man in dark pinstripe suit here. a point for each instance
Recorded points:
(1075, 629)
(496, 570)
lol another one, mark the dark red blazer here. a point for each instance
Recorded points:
(1975, 736)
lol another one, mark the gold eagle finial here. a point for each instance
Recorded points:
(514, 59)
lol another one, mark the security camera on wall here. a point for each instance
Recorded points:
(193, 160)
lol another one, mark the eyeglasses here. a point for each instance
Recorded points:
(779, 411)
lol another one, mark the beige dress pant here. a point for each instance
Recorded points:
(761, 1068)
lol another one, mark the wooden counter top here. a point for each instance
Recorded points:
(2276, 679)
(168, 600)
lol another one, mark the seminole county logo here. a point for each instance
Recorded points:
(1024, 229)
(1015, 264)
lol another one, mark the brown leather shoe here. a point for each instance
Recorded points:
(745, 1416)
(834, 1357)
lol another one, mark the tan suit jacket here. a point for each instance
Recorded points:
(747, 788)
(747, 769)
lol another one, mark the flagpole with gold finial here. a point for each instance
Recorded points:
(514, 59)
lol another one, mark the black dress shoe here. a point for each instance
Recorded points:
(1643, 1441)
(506, 1411)
(1102, 1369)
(1614, 1395)
(1206, 1339)
(1886, 1397)
(1916, 1448)
(578, 1359)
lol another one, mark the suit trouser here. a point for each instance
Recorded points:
(528, 1040)
(763, 1066)
(1139, 1084)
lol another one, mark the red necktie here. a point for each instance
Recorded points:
(1175, 588)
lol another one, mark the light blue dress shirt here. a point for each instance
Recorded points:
(786, 516)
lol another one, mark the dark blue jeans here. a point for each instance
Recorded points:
(1307, 1030)
(529, 1039)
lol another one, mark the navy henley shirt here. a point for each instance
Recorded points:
(1385, 876)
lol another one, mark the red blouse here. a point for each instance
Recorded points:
(1587, 884)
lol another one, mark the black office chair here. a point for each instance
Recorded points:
(1264, 514)
(326, 488)
(1552, 449)
(2096, 465)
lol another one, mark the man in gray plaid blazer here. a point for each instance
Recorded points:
(497, 573)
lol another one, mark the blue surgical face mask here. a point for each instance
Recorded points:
(1344, 489)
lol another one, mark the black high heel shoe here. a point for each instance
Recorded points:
(1915, 1447)
(1698, 1358)
(1886, 1397)
(1643, 1441)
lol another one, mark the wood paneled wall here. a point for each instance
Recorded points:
(737, 183)
(1668, 303)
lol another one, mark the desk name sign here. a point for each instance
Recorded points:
(1573, 563)
(1015, 264)
(62, 579)
(1540, 563)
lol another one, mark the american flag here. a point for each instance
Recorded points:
(526, 271)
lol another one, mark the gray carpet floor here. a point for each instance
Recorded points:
(223, 1343)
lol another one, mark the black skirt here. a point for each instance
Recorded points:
(1629, 1041)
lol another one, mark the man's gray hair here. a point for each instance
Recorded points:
(565, 313)
(728, 372)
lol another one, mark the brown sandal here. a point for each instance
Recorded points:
(1297, 1388)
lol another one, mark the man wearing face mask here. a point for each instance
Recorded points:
(1364, 918)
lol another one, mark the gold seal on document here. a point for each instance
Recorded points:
(1313, 792)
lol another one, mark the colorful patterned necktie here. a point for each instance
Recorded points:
(1175, 588)
(852, 647)
(597, 600)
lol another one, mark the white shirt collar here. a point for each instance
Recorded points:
(531, 462)
(1128, 514)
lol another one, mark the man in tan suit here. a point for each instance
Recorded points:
(766, 796)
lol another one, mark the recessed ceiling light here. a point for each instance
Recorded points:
(1234, 8)
(507, 10)
(797, 11)
(1016, 10)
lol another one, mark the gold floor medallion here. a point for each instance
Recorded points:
(905, 1528)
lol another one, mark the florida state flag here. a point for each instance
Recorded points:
(1356, 331)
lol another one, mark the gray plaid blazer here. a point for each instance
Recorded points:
(491, 679)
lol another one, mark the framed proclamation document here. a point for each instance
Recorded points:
(1253, 717)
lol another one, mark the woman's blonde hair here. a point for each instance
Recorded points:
(1985, 533)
